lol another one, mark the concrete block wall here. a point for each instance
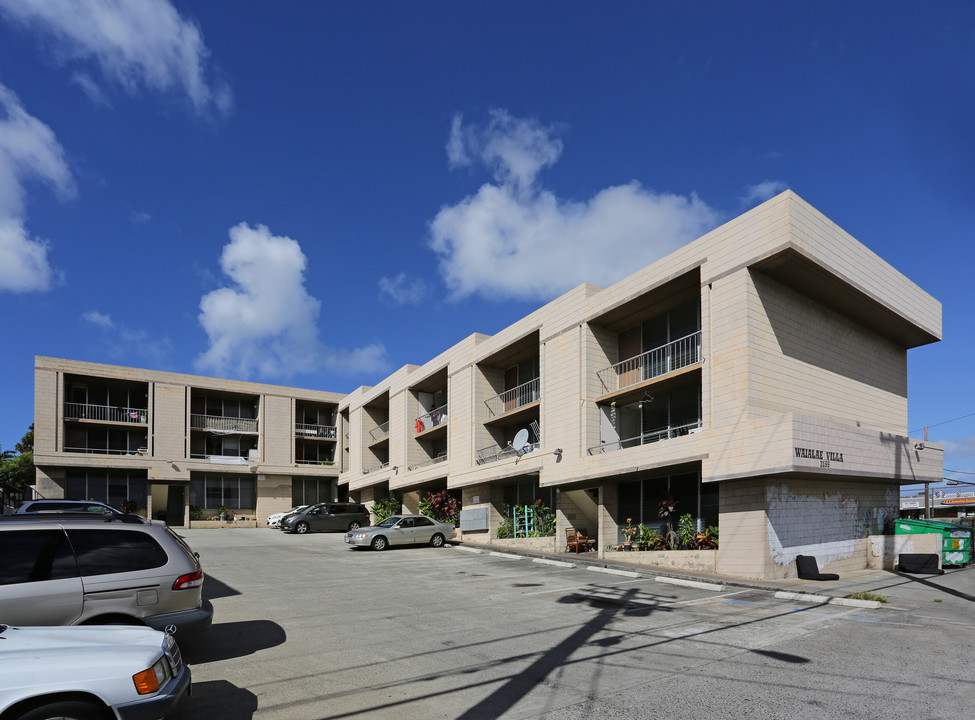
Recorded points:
(831, 521)
(743, 529)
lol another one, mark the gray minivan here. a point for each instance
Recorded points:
(323, 517)
(61, 571)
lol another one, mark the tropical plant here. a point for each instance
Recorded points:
(686, 532)
(387, 506)
(707, 540)
(441, 506)
(646, 537)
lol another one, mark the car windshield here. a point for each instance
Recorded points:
(389, 522)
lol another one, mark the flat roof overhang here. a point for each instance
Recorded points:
(792, 268)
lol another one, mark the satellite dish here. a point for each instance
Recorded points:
(520, 443)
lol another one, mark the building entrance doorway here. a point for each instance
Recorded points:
(175, 505)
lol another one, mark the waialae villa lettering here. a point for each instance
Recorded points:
(812, 454)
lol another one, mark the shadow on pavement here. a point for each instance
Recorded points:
(217, 699)
(230, 640)
(213, 588)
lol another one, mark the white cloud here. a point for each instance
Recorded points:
(760, 192)
(959, 450)
(136, 45)
(100, 319)
(266, 323)
(124, 343)
(139, 217)
(29, 151)
(516, 239)
(368, 359)
(90, 88)
(402, 290)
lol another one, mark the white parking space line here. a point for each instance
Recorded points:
(691, 583)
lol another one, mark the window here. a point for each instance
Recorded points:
(108, 486)
(640, 500)
(231, 491)
(308, 491)
(35, 556)
(102, 552)
(423, 522)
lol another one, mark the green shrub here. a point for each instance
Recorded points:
(387, 506)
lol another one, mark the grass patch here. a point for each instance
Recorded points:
(939, 599)
(867, 595)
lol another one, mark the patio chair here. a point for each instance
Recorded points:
(808, 569)
(577, 540)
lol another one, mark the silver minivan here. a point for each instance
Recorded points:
(73, 571)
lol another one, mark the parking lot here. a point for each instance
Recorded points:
(306, 627)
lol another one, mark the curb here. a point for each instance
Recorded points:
(827, 600)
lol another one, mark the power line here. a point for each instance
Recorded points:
(942, 423)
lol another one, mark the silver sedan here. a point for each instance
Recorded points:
(402, 530)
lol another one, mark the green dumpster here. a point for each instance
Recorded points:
(956, 545)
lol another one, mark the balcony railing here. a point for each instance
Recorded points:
(315, 431)
(435, 417)
(509, 400)
(106, 451)
(105, 413)
(223, 424)
(314, 462)
(380, 433)
(382, 466)
(653, 363)
(647, 437)
(493, 454)
(432, 461)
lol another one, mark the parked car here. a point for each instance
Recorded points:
(327, 516)
(89, 673)
(77, 506)
(73, 571)
(402, 530)
(274, 519)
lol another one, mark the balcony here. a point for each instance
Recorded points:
(493, 454)
(647, 437)
(105, 413)
(380, 433)
(218, 423)
(430, 420)
(442, 457)
(304, 430)
(518, 397)
(675, 355)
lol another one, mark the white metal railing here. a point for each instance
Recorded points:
(492, 453)
(517, 397)
(315, 431)
(653, 363)
(224, 424)
(106, 451)
(432, 461)
(382, 466)
(314, 462)
(106, 413)
(429, 420)
(646, 438)
(380, 433)
(243, 454)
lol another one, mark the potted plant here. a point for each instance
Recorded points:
(223, 513)
(629, 531)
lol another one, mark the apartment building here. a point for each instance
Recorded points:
(755, 379)
(171, 442)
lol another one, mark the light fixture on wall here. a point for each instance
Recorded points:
(557, 452)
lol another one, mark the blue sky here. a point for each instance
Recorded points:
(317, 193)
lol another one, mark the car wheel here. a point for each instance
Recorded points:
(301, 528)
(380, 543)
(67, 710)
(437, 540)
(354, 525)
